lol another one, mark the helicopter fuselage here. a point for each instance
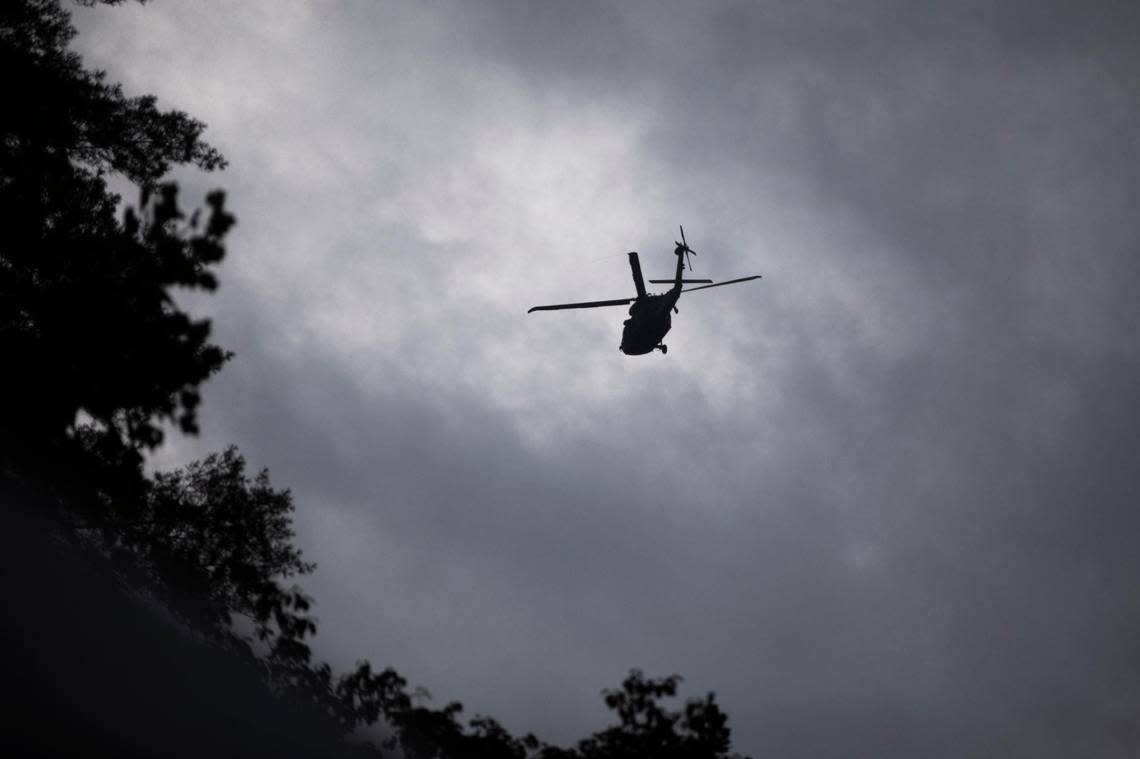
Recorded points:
(649, 315)
(648, 323)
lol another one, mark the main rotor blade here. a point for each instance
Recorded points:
(718, 284)
(590, 304)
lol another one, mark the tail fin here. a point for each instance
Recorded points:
(680, 277)
(635, 268)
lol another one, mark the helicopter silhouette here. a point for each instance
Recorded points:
(649, 318)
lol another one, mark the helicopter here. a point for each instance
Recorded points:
(649, 318)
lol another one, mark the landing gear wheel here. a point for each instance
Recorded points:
(663, 348)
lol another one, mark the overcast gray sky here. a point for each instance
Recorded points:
(882, 501)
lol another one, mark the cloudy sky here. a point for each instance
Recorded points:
(883, 501)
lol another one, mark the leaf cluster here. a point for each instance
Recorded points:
(218, 547)
(58, 109)
(88, 322)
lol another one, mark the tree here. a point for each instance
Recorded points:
(223, 541)
(88, 322)
(648, 728)
(217, 544)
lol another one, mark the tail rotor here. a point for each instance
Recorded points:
(683, 247)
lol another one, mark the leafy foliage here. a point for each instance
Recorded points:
(56, 109)
(647, 728)
(87, 319)
(218, 544)
(213, 533)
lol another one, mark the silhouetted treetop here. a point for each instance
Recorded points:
(213, 532)
(55, 106)
(87, 318)
(649, 728)
(218, 544)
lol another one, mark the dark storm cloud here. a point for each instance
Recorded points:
(993, 151)
(884, 505)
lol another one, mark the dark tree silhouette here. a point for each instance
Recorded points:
(87, 320)
(648, 728)
(223, 542)
(217, 544)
